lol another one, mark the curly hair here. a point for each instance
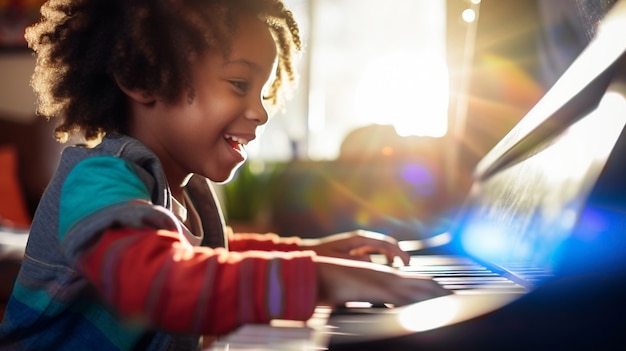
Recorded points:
(84, 46)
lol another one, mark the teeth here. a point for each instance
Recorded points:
(237, 140)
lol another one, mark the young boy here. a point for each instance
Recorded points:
(127, 249)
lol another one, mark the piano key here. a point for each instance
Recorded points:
(480, 286)
(443, 268)
(469, 279)
(439, 260)
(457, 274)
(512, 290)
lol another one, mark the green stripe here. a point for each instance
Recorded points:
(95, 183)
(38, 300)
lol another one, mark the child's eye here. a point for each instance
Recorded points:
(241, 86)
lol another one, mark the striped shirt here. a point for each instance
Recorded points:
(108, 267)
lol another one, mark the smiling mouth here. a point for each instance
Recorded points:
(235, 142)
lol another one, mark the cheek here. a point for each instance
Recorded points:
(200, 116)
(214, 109)
(207, 117)
(204, 126)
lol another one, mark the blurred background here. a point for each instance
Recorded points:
(397, 101)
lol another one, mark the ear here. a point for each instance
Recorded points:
(139, 95)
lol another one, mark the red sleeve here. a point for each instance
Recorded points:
(150, 274)
(264, 242)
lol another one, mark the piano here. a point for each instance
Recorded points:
(537, 256)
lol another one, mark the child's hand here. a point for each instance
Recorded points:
(342, 281)
(356, 245)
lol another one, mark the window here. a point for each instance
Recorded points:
(364, 62)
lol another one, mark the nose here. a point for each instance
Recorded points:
(257, 112)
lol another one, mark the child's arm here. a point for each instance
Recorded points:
(150, 275)
(357, 245)
(265, 242)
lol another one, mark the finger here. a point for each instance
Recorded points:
(418, 289)
(387, 241)
(361, 253)
(427, 287)
(364, 258)
(384, 244)
(355, 257)
(389, 249)
(366, 252)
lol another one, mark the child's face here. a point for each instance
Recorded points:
(206, 135)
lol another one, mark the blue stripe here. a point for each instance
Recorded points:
(69, 332)
(275, 289)
(122, 336)
(85, 321)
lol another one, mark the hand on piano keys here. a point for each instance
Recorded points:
(344, 276)
(341, 281)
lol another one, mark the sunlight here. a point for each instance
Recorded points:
(405, 90)
(428, 314)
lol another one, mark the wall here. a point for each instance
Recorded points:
(17, 100)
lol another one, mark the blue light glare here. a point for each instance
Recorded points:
(592, 221)
(486, 240)
(598, 241)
